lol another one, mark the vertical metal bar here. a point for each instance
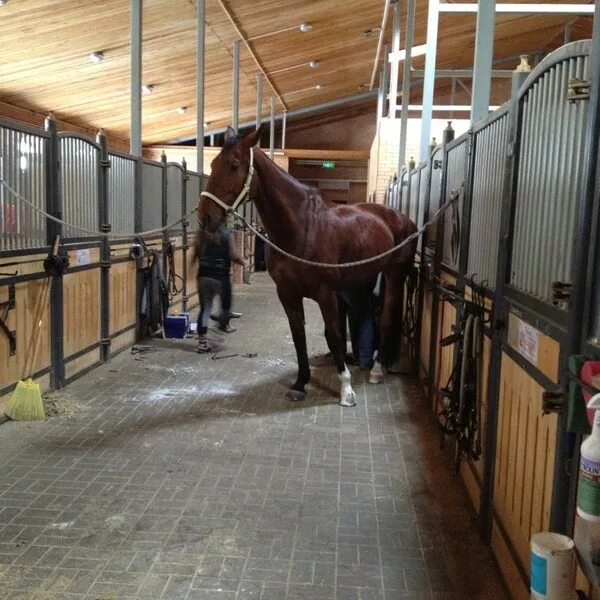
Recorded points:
(272, 129)
(384, 83)
(500, 316)
(135, 146)
(236, 85)
(104, 218)
(184, 236)
(200, 41)
(482, 70)
(429, 77)
(164, 196)
(380, 99)
(259, 101)
(453, 96)
(283, 129)
(54, 207)
(410, 27)
(394, 63)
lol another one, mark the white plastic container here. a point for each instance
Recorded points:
(588, 493)
(552, 567)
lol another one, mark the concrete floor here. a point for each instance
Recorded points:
(179, 476)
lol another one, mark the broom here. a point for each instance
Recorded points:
(25, 403)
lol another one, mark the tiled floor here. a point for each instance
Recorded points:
(186, 477)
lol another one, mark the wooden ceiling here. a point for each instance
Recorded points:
(45, 66)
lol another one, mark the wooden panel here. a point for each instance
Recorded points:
(548, 348)
(524, 459)
(426, 332)
(81, 310)
(122, 286)
(74, 367)
(510, 572)
(31, 320)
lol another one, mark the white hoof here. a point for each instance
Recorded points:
(376, 374)
(348, 399)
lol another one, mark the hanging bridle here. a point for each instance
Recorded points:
(241, 196)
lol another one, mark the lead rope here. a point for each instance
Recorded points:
(413, 236)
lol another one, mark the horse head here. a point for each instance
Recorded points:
(230, 178)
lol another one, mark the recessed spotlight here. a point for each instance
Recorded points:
(306, 27)
(97, 57)
(319, 86)
(3, 2)
(147, 88)
(362, 86)
(182, 109)
(313, 64)
(369, 32)
(205, 124)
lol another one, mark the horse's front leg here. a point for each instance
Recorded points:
(295, 313)
(328, 303)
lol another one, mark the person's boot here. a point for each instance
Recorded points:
(203, 345)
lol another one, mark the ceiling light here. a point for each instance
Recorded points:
(313, 64)
(147, 88)
(182, 109)
(3, 2)
(205, 124)
(319, 86)
(97, 57)
(362, 86)
(369, 32)
(305, 27)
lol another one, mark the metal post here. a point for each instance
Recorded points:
(453, 96)
(482, 70)
(393, 95)
(500, 316)
(429, 80)
(135, 145)
(54, 207)
(200, 40)
(272, 130)
(105, 262)
(410, 26)
(236, 85)
(283, 129)
(164, 209)
(380, 98)
(259, 100)
(184, 235)
(386, 73)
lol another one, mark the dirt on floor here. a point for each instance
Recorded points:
(60, 404)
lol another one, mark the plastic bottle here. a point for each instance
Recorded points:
(587, 523)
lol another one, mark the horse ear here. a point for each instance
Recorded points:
(252, 138)
(230, 136)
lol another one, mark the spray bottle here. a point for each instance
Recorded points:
(587, 522)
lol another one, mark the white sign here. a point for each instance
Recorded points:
(529, 338)
(83, 257)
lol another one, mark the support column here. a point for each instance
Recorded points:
(200, 38)
(429, 80)
(105, 260)
(259, 100)
(410, 26)
(393, 94)
(380, 98)
(135, 145)
(236, 85)
(283, 129)
(484, 49)
(272, 130)
(384, 83)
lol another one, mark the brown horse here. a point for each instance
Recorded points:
(300, 222)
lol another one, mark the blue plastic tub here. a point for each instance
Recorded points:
(176, 326)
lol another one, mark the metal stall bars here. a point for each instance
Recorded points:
(23, 167)
(529, 352)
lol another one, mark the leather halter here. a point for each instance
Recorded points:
(241, 195)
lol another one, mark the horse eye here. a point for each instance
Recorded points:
(234, 165)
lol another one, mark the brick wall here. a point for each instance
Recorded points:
(383, 163)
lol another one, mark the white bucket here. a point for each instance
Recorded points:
(552, 567)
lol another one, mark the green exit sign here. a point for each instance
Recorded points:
(328, 164)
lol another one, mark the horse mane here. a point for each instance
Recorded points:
(311, 193)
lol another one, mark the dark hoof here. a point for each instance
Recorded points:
(295, 395)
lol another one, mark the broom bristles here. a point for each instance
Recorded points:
(26, 403)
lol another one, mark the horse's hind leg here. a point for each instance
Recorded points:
(328, 303)
(390, 325)
(295, 313)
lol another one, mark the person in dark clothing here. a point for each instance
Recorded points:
(214, 252)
